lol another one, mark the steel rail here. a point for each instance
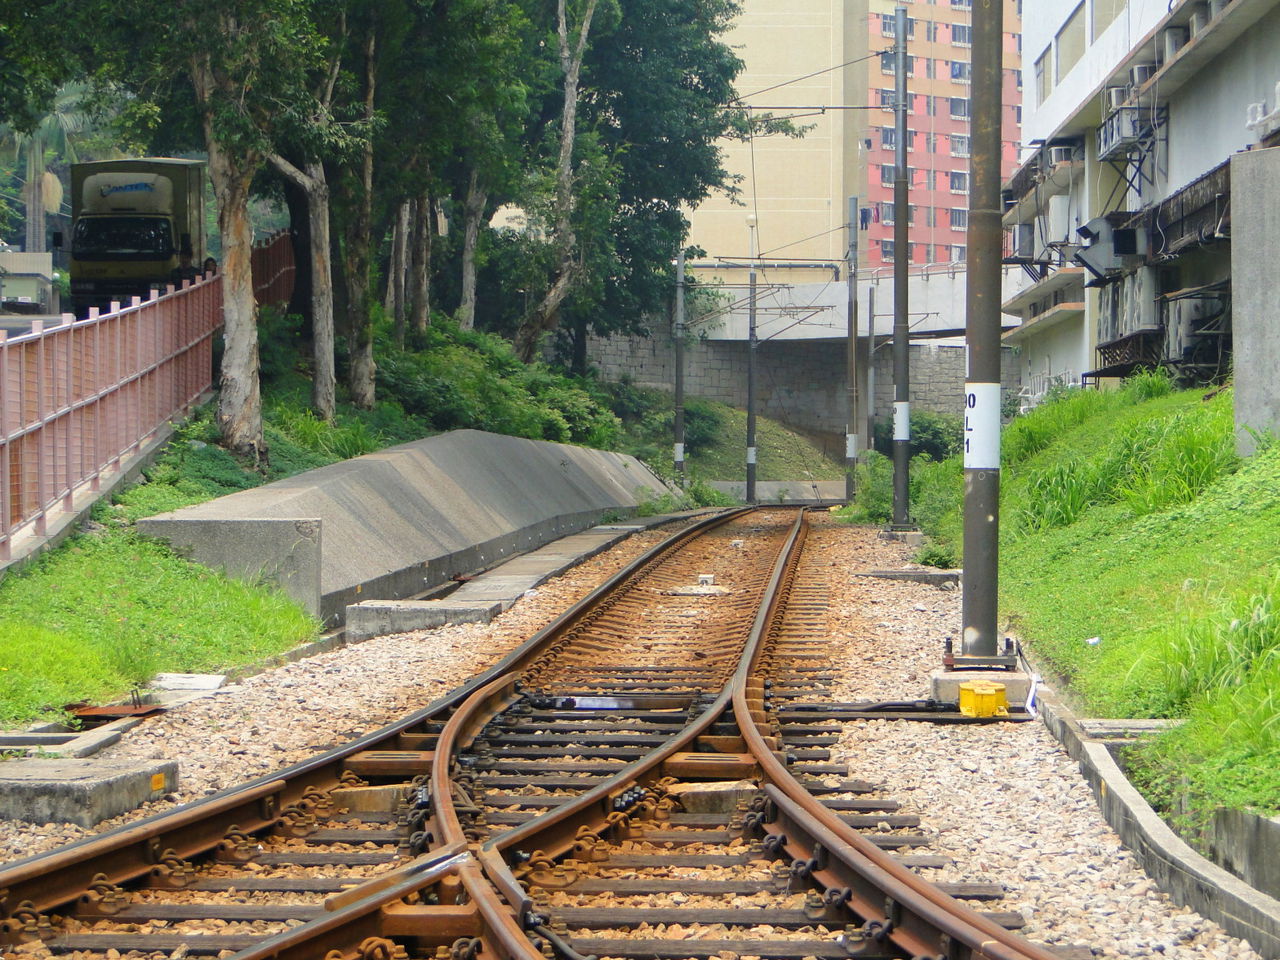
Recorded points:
(553, 830)
(51, 881)
(901, 910)
(896, 904)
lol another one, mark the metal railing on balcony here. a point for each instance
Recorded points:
(80, 397)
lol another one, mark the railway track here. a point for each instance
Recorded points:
(629, 783)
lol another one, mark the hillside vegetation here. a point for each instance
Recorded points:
(1139, 561)
(108, 610)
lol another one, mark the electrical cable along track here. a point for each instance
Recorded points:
(620, 786)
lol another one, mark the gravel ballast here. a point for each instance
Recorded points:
(1003, 800)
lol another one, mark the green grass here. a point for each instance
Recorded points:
(1126, 516)
(107, 612)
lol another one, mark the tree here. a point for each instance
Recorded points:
(564, 242)
(57, 130)
(235, 67)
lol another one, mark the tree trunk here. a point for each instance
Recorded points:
(312, 180)
(546, 315)
(421, 317)
(395, 304)
(474, 212)
(33, 195)
(295, 198)
(231, 172)
(578, 364)
(361, 375)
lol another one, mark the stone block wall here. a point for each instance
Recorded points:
(799, 382)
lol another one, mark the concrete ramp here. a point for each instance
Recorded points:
(394, 523)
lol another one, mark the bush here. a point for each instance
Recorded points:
(935, 435)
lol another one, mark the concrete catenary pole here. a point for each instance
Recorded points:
(751, 366)
(678, 330)
(982, 333)
(871, 366)
(851, 431)
(901, 258)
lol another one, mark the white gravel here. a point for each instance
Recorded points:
(1004, 800)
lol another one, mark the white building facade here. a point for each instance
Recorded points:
(1121, 215)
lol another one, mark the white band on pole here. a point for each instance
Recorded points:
(982, 426)
(851, 446)
(751, 454)
(679, 452)
(901, 420)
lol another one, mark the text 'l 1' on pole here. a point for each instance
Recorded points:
(982, 334)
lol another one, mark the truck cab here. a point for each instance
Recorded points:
(132, 220)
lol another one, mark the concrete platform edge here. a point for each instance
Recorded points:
(1191, 879)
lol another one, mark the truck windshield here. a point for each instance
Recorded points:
(122, 238)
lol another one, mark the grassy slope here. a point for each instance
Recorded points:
(781, 454)
(1139, 560)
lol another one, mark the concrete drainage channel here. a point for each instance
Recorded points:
(75, 786)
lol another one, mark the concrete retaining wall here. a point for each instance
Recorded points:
(801, 382)
(394, 523)
(1255, 320)
(1185, 875)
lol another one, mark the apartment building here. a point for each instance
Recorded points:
(939, 44)
(1144, 115)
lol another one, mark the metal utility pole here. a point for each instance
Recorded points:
(901, 257)
(851, 431)
(751, 366)
(678, 324)
(982, 333)
(871, 366)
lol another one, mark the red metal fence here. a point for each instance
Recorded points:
(79, 398)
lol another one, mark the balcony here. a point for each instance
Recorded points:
(1055, 180)
(1057, 298)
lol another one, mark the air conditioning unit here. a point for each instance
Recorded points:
(1140, 74)
(1172, 40)
(1199, 18)
(1024, 240)
(1116, 96)
(1059, 155)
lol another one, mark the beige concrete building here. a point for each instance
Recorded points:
(797, 189)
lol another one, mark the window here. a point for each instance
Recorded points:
(886, 213)
(930, 106)
(959, 217)
(959, 182)
(1017, 38)
(961, 35)
(930, 216)
(929, 68)
(931, 31)
(888, 28)
(963, 4)
(888, 138)
(931, 142)
(886, 99)
(1017, 78)
(911, 140)
(928, 179)
(1017, 114)
(886, 174)
(958, 253)
(1069, 44)
(959, 145)
(1104, 14)
(1044, 78)
(960, 71)
(886, 250)
(959, 107)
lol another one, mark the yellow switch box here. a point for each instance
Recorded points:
(983, 698)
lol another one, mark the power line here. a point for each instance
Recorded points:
(807, 76)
